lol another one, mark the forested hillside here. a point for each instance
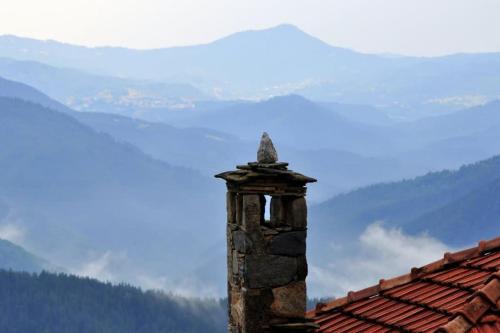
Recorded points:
(458, 207)
(80, 197)
(45, 302)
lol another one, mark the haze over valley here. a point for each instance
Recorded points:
(109, 154)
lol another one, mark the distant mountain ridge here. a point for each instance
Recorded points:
(292, 119)
(284, 60)
(86, 92)
(202, 58)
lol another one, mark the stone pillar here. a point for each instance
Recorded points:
(267, 265)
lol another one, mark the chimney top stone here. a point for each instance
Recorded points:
(267, 153)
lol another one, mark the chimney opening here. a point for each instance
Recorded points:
(267, 209)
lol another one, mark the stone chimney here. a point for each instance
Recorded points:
(266, 258)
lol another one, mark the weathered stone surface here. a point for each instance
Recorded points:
(231, 207)
(262, 271)
(267, 266)
(229, 298)
(278, 211)
(257, 306)
(239, 208)
(266, 153)
(289, 244)
(237, 307)
(234, 262)
(252, 212)
(297, 213)
(233, 329)
(251, 224)
(302, 268)
(290, 300)
(242, 243)
(229, 255)
(269, 231)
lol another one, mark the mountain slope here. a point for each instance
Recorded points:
(100, 207)
(61, 303)
(460, 123)
(473, 216)
(14, 257)
(206, 150)
(409, 204)
(296, 122)
(300, 128)
(211, 151)
(86, 92)
(20, 90)
(359, 113)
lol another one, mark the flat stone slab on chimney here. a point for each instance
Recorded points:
(269, 271)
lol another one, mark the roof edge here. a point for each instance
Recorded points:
(448, 259)
(478, 305)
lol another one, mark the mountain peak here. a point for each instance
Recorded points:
(283, 33)
(285, 27)
(291, 99)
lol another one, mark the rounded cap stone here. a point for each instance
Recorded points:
(267, 153)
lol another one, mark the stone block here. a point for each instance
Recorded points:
(257, 306)
(252, 212)
(251, 222)
(278, 211)
(229, 289)
(290, 300)
(235, 263)
(241, 242)
(297, 213)
(289, 243)
(239, 208)
(302, 268)
(269, 271)
(231, 207)
(237, 307)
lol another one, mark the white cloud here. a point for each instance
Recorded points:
(379, 253)
(185, 287)
(12, 232)
(103, 268)
(11, 229)
(116, 267)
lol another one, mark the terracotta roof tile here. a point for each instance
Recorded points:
(457, 294)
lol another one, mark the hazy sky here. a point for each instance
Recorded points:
(418, 27)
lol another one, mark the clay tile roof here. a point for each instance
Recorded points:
(457, 294)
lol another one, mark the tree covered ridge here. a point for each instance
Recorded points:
(457, 207)
(49, 303)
